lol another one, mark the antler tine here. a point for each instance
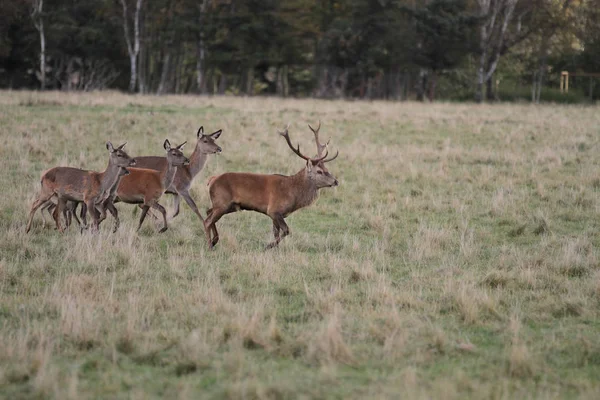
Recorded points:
(320, 146)
(286, 135)
(332, 158)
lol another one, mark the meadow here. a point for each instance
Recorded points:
(458, 258)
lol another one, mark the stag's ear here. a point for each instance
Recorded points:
(110, 147)
(167, 145)
(200, 131)
(215, 135)
(181, 145)
(121, 146)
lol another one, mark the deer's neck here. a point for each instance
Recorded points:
(168, 174)
(197, 161)
(307, 191)
(109, 179)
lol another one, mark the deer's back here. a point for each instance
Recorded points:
(70, 182)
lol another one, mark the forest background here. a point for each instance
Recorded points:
(364, 49)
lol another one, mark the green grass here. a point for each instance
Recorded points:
(457, 258)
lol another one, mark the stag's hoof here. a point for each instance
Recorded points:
(163, 229)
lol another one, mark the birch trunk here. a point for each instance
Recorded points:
(132, 48)
(38, 21)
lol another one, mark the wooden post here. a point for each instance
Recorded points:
(564, 81)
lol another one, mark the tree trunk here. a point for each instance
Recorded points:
(165, 70)
(490, 95)
(432, 85)
(201, 50)
(222, 84)
(421, 84)
(133, 49)
(491, 41)
(249, 90)
(38, 21)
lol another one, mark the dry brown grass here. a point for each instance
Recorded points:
(458, 258)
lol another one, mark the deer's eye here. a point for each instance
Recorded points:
(320, 172)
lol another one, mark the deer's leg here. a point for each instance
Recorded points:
(210, 225)
(176, 202)
(91, 209)
(67, 213)
(190, 202)
(42, 198)
(164, 214)
(280, 230)
(145, 209)
(150, 213)
(83, 215)
(73, 209)
(60, 209)
(113, 211)
(48, 207)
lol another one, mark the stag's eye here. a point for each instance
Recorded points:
(320, 172)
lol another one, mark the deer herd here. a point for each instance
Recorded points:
(143, 181)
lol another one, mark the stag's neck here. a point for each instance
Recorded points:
(168, 174)
(307, 191)
(197, 161)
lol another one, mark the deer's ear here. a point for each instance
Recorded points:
(121, 146)
(181, 145)
(308, 165)
(167, 145)
(200, 131)
(110, 147)
(216, 134)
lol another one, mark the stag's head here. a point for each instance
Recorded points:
(118, 156)
(206, 143)
(315, 168)
(175, 155)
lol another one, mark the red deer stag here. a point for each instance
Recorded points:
(145, 186)
(73, 184)
(205, 145)
(274, 195)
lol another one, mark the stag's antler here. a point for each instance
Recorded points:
(320, 146)
(286, 135)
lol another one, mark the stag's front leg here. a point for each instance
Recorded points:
(280, 230)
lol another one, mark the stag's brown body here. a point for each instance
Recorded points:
(274, 195)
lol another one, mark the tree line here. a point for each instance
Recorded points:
(368, 49)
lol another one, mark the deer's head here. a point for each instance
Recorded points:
(175, 155)
(118, 156)
(315, 168)
(206, 143)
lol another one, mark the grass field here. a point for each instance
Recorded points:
(458, 258)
